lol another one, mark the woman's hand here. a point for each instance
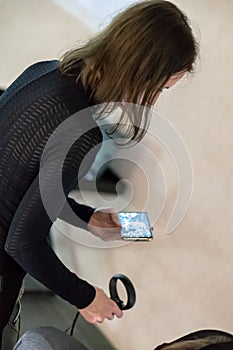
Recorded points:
(101, 308)
(104, 223)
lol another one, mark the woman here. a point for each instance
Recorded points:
(146, 48)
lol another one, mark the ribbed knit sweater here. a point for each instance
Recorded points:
(31, 109)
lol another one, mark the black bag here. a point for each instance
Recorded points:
(226, 344)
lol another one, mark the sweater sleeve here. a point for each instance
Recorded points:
(83, 212)
(27, 236)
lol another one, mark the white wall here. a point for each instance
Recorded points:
(96, 12)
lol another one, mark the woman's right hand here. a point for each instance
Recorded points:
(101, 308)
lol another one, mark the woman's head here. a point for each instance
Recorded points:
(134, 57)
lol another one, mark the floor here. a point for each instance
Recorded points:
(57, 313)
(183, 280)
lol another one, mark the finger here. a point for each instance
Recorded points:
(117, 311)
(115, 219)
(88, 318)
(115, 231)
(100, 320)
(110, 234)
(116, 236)
(110, 317)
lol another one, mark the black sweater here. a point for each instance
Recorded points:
(37, 102)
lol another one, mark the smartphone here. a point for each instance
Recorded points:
(135, 226)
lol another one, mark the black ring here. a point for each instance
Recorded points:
(131, 295)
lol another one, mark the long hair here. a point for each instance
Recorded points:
(133, 57)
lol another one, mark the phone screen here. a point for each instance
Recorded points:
(135, 226)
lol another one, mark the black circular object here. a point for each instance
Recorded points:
(131, 295)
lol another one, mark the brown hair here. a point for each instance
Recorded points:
(134, 55)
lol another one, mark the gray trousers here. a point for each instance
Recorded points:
(10, 334)
(48, 338)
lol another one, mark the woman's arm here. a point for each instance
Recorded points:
(27, 244)
(82, 211)
(27, 236)
(42, 204)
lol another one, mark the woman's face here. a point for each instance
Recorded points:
(170, 82)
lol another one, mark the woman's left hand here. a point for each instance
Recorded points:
(105, 224)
